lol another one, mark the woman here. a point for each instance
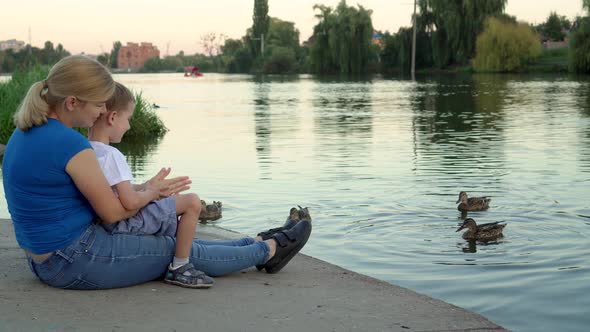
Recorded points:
(55, 188)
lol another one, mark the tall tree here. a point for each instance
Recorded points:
(260, 21)
(212, 43)
(554, 26)
(344, 35)
(115, 54)
(455, 25)
(282, 33)
(48, 53)
(580, 43)
(320, 57)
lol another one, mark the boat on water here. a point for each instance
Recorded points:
(192, 71)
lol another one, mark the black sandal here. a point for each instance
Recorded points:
(289, 242)
(292, 220)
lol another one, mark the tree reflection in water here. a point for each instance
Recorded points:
(137, 153)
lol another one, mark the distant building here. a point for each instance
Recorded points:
(377, 39)
(555, 45)
(12, 44)
(133, 55)
(549, 44)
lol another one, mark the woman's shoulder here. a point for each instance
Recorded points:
(62, 133)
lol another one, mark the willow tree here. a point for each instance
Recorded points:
(320, 58)
(342, 39)
(580, 43)
(505, 46)
(455, 25)
(260, 22)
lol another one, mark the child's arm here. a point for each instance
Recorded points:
(154, 189)
(132, 199)
(169, 186)
(138, 187)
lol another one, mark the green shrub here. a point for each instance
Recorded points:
(12, 93)
(505, 46)
(145, 123)
(282, 60)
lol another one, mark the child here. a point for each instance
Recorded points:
(155, 217)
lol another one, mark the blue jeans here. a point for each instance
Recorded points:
(99, 260)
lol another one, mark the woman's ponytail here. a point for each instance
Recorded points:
(34, 109)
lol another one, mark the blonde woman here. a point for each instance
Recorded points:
(55, 189)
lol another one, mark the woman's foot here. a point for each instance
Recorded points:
(304, 213)
(294, 216)
(288, 244)
(189, 277)
(292, 219)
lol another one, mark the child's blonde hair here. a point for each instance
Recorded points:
(120, 98)
(76, 75)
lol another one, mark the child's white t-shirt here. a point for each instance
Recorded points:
(113, 163)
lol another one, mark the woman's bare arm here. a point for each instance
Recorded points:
(88, 177)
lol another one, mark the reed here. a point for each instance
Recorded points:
(12, 93)
(145, 123)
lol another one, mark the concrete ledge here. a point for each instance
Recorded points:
(307, 295)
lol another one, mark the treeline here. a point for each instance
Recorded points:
(474, 35)
(28, 56)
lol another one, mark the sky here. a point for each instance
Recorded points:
(93, 26)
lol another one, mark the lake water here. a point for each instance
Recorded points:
(380, 163)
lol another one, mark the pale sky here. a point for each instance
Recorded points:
(88, 26)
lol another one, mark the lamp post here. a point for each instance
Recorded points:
(261, 43)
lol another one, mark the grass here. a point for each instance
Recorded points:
(550, 61)
(145, 123)
(11, 94)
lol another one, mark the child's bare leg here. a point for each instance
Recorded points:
(181, 272)
(188, 206)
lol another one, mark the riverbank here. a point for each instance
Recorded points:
(308, 295)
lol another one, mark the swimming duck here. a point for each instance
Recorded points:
(473, 203)
(483, 232)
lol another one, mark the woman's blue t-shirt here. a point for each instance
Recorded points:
(46, 207)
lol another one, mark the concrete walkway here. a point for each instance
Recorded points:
(307, 295)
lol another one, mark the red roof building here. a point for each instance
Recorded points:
(133, 55)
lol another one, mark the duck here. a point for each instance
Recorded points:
(483, 232)
(472, 203)
(210, 211)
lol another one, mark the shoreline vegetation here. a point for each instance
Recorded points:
(146, 126)
(450, 36)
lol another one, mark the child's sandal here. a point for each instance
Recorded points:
(188, 276)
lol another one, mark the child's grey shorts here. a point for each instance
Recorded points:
(156, 218)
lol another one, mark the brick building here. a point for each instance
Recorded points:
(133, 55)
